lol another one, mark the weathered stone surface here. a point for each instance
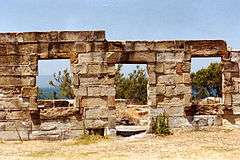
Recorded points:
(207, 120)
(94, 102)
(170, 79)
(18, 70)
(83, 47)
(13, 135)
(81, 36)
(171, 110)
(94, 91)
(206, 48)
(96, 113)
(59, 112)
(80, 91)
(93, 69)
(178, 121)
(29, 92)
(170, 57)
(17, 81)
(131, 57)
(18, 60)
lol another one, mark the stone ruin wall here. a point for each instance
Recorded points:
(93, 60)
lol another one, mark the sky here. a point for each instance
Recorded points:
(127, 19)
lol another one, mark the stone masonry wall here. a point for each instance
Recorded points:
(93, 60)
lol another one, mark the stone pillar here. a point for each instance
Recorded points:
(173, 86)
(231, 82)
(93, 81)
(18, 70)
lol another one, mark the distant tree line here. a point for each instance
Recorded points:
(205, 83)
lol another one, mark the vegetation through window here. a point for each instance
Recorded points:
(54, 79)
(206, 77)
(131, 83)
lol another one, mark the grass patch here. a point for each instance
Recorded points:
(160, 126)
(86, 140)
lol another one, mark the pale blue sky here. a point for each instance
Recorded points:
(127, 19)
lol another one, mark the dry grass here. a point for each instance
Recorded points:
(86, 140)
(213, 143)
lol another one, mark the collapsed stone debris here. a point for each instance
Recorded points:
(93, 60)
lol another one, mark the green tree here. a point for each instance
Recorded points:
(62, 80)
(133, 86)
(207, 82)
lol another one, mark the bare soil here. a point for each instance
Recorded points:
(213, 143)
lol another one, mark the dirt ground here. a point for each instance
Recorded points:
(213, 143)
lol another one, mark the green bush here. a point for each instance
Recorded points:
(160, 126)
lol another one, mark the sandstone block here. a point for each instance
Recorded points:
(227, 99)
(17, 70)
(100, 46)
(26, 49)
(169, 79)
(13, 135)
(94, 91)
(94, 69)
(138, 57)
(79, 68)
(161, 89)
(107, 90)
(95, 124)
(18, 60)
(98, 57)
(207, 120)
(111, 102)
(84, 57)
(177, 122)
(80, 91)
(81, 36)
(171, 101)
(152, 78)
(94, 102)
(170, 57)
(159, 68)
(82, 47)
(113, 57)
(183, 89)
(115, 46)
(96, 113)
(75, 79)
(236, 98)
(169, 68)
(187, 78)
(17, 81)
(29, 92)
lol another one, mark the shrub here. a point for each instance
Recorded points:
(160, 126)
